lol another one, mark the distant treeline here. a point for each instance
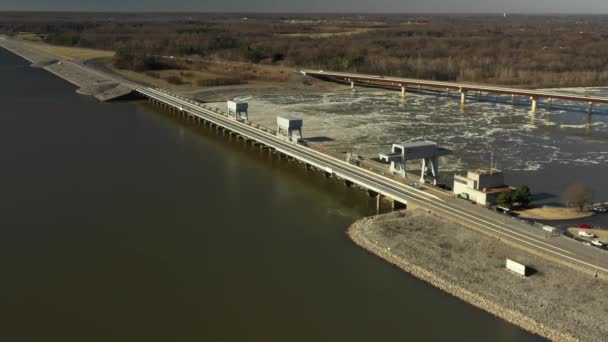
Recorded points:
(539, 51)
(140, 60)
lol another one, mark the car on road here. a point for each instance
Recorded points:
(585, 234)
(597, 243)
(587, 243)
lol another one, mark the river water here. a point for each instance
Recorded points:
(548, 150)
(120, 223)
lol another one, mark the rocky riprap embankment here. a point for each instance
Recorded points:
(91, 83)
(557, 302)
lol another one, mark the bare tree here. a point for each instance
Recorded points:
(578, 195)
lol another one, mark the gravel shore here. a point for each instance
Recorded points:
(556, 302)
(90, 82)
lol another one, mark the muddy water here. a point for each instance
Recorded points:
(119, 223)
(548, 150)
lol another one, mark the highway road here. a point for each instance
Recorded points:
(461, 87)
(515, 231)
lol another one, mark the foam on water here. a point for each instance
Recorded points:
(368, 122)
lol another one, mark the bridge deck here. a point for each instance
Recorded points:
(460, 87)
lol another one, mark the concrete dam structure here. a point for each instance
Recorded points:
(399, 191)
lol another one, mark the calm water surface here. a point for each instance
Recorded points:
(119, 223)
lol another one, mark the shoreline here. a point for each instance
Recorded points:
(459, 292)
(456, 290)
(88, 82)
(364, 233)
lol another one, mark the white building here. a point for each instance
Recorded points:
(426, 151)
(238, 109)
(290, 128)
(481, 186)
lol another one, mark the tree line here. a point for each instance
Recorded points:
(535, 51)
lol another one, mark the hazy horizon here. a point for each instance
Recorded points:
(314, 6)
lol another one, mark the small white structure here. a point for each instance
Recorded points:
(427, 151)
(517, 268)
(238, 109)
(481, 186)
(289, 127)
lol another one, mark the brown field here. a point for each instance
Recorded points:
(327, 34)
(29, 36)
(553, 213)
(75, 53)
(197, 75)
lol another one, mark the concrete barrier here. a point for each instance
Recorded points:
(517, 268)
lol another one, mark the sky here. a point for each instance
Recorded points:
(346, 6)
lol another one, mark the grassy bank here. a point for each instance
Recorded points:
(73, 53)
(552, 213)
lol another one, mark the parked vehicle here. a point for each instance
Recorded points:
(584, 226)
(597, 243)
(585, 234)
(502, 209)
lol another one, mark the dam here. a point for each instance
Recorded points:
(561, 248)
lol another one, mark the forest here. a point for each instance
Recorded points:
(518, 50)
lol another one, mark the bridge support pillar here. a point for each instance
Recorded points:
(463, 98)
(590, 108)
(550, 104)
(478, 95)
(447, 90)
(419, 87)
(378, 202)
(534, 104)
(403, 89)
(352, 85)
(513, 99)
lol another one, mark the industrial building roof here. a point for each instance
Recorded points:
(414, 144)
